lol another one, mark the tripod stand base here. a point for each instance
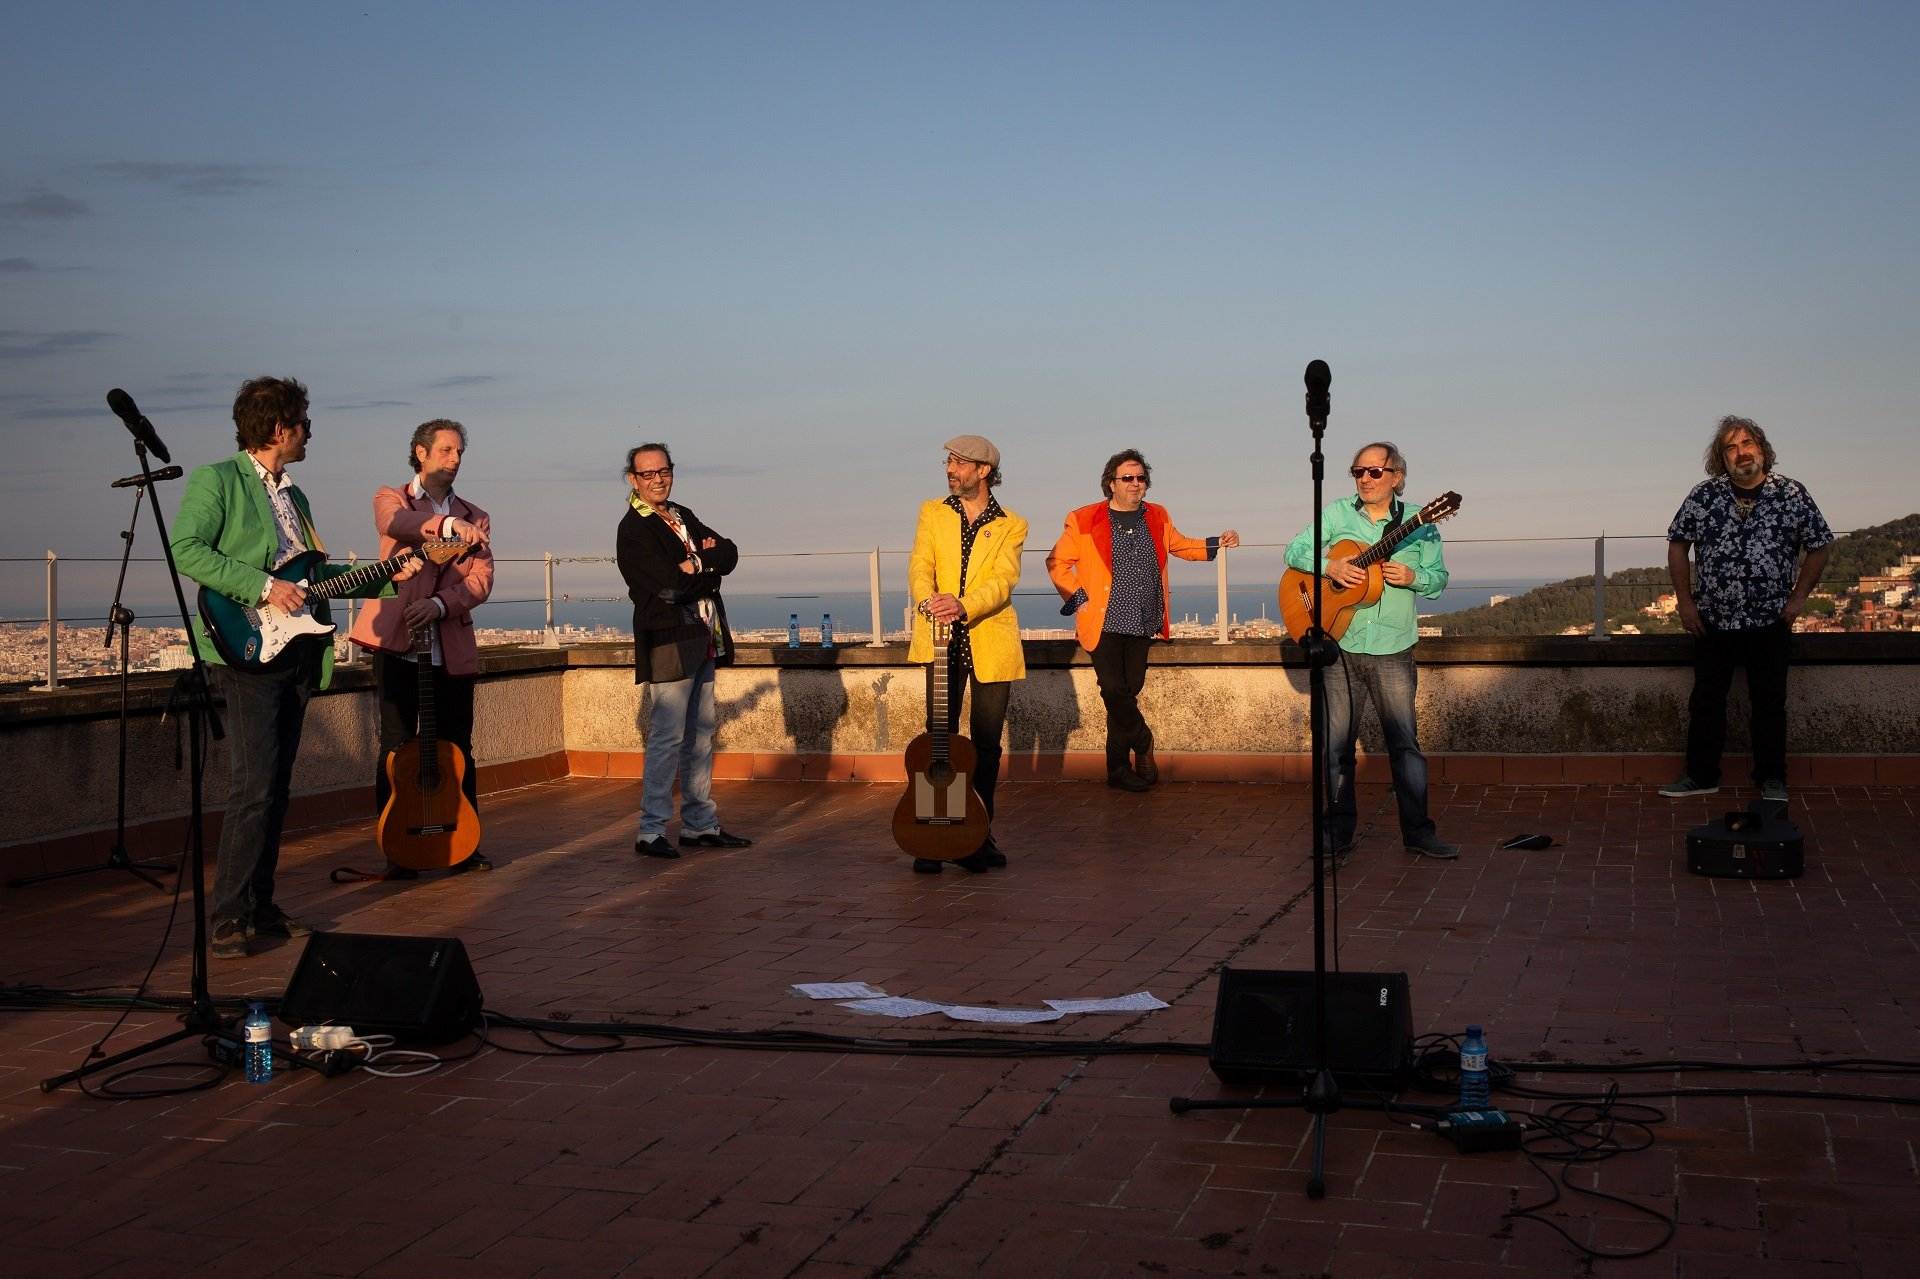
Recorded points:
(118, 859)
(198, 1025)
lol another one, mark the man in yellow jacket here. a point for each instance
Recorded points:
(965, 564)
(1110, 566)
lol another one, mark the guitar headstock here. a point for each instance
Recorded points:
(942, 633)
(1444, 507)
(444, 550)
(423, 641)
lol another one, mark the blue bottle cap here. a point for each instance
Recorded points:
(1473, 1032)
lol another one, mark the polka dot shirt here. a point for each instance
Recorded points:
(1134, 606)
(960, 648)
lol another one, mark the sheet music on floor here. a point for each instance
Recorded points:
(838, 990)
(1001, 1016)
(1139, 1001)
(894, 1006)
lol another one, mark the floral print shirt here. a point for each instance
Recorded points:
(1746, 550)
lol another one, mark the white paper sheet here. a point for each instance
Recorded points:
(1139, 1001)
(838, 990)
(1001, 1016)
(894, 1006)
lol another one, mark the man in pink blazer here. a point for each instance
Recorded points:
(440, 599)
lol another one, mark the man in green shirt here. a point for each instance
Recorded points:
(1376, 652)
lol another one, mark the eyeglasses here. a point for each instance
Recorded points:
(1129, 479)
(1372, 472)
(664, 473)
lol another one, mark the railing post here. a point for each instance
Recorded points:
(1220, 586)
(1600, 588)
(53, 625)
(550, 637)
(873, 597)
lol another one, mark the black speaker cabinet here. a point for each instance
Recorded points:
(417, 989)
(1757, 844)
(1263, 1026)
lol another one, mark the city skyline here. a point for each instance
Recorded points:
(1543, 251)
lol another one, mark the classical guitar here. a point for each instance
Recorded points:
(428, 823)
(940, 817)
(258, 637)
(1339, 603)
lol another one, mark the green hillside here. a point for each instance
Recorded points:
(1550, 609)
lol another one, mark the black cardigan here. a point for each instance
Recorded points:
(664, 598)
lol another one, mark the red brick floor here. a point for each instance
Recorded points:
(705, 1161)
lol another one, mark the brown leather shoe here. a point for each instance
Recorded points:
(1143, 762)
(1126, 779)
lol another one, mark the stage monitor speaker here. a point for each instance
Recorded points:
(417, 989)
(1263, 1027)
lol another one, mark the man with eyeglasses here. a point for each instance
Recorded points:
(673, 564)
(1747, 529)
(240, 518)
(1375, 659)
(1110, 566)
(964, 566)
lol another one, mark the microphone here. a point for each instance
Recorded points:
(1319, 403)
(164, 473)
(143, 433)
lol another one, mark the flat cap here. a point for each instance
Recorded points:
(974, 448)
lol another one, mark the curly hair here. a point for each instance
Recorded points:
(423, 437)
(264, 403)
(1113, 468)
(1716, 448)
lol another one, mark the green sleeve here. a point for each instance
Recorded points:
(197, 530)
(1424, 556)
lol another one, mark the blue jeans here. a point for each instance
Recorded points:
(264, 714)
(1390, 681)
(680, 746)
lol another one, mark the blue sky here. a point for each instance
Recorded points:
(1543, 247)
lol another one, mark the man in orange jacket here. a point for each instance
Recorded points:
(1110, 566)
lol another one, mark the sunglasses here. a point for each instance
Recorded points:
(1371, 472)
(661, 474)
(1129, 479)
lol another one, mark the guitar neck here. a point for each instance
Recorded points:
(429, 726)
(937, 701)
(357, 579)
(1385, 546)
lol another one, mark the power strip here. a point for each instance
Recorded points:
(1473, 1131)
(322, 1038)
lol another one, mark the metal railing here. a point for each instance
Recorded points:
(550, 592)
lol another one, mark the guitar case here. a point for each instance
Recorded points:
(1756, 843)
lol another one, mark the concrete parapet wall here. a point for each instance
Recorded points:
(1237, 711)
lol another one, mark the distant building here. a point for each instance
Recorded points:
(1497, 599)
(1665, 606)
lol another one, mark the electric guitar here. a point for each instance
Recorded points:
(1338, 603)
(940, 817)
(258, 637)
(428, 823)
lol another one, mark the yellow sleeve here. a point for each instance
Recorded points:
(993, 585)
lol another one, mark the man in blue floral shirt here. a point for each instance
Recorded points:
(1748, 529)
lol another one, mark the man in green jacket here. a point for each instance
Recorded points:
(1376, 652)
(239, 518)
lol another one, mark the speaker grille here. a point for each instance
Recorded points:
(417, 989)
(1264, 1026)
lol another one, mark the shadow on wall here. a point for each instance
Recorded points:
(1042, 716)
(811, 707)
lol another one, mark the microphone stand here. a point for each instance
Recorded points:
(122, 617)
(194, 690)
(1321, 1095)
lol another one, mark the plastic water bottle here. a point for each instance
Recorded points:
(793, 630)
(1474, 1091)
(826, 630)
(257, 1031)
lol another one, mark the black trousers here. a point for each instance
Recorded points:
(986, 725)
(398, 683)
(1120, 664)
(265, 712)
(1764, 653)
